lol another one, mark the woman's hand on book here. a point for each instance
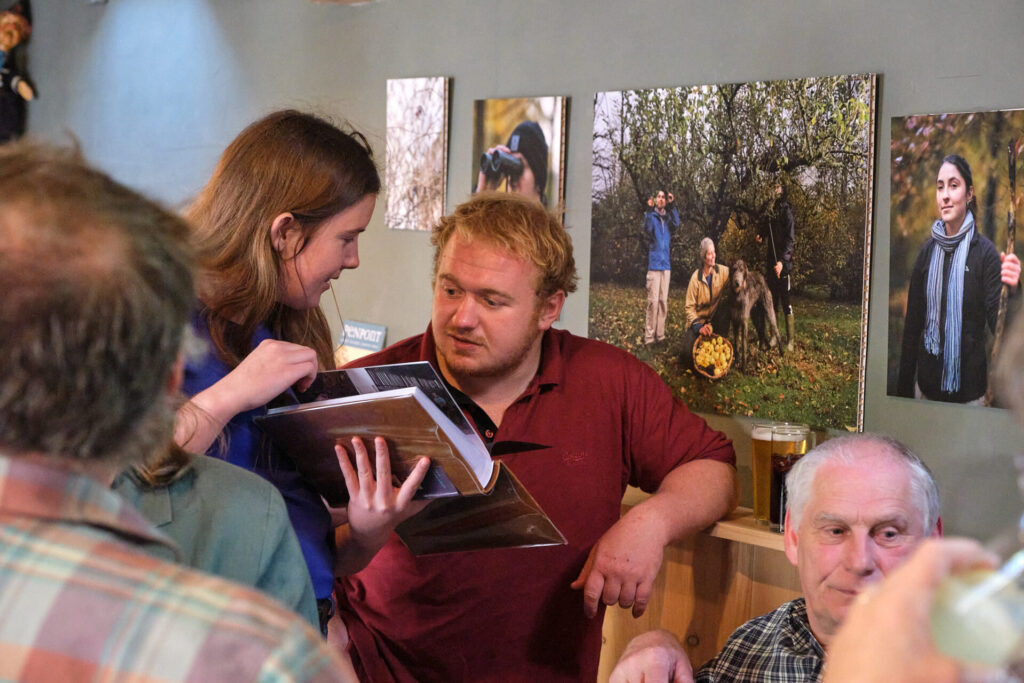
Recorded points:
(375, 505)
(268, 370)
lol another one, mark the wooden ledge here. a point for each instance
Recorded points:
(738, 525)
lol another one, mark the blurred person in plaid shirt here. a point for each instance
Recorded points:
(98, 286)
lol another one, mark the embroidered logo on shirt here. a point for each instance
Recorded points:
(573, 457)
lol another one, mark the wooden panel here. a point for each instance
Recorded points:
(708, 586)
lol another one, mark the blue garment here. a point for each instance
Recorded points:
(658, 228)
(247, 447)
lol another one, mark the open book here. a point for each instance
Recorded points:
(409, 405)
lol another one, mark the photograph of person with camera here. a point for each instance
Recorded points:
(519, 146)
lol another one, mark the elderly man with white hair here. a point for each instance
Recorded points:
(857, 506)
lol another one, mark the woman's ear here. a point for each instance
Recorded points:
(284, 235)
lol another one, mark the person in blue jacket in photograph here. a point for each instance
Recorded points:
(659, 222)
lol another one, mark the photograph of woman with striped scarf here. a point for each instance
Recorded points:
(953, 296)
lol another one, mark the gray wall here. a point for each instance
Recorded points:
(154, 89)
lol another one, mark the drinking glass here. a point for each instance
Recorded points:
(761, 464)
(978, 616)
(789, 443)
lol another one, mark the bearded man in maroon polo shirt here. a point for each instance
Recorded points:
(595, 418)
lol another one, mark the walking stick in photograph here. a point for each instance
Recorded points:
(1011, 233)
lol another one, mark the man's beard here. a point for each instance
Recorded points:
(497, 367)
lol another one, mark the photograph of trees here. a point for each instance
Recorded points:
(416, 170)
(746, 164)
(989, 143)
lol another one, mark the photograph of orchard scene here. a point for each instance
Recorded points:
(990, 143)
(775, 174)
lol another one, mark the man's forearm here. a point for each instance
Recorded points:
(691, 497)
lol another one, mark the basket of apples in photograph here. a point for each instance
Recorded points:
(712, 356)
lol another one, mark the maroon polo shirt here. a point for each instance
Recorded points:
(601, 420)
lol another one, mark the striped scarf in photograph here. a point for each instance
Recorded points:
(958, 244)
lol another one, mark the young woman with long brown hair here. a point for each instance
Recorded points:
(278, 221)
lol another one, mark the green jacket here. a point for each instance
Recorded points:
(229, 522)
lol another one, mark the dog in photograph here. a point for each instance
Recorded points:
(749, 297)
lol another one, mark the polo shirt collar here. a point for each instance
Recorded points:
(428, 351)
(552, 366)
(551, 372)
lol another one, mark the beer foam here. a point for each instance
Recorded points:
(795, 437)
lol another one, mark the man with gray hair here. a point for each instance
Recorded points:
(98, 285)
(857, 506)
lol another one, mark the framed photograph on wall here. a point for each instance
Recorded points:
(953, 201)
(730, 207)
(416, 171)
(519, 146)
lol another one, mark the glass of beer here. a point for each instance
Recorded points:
(789, 443)
(978, 616)
(761, 457)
